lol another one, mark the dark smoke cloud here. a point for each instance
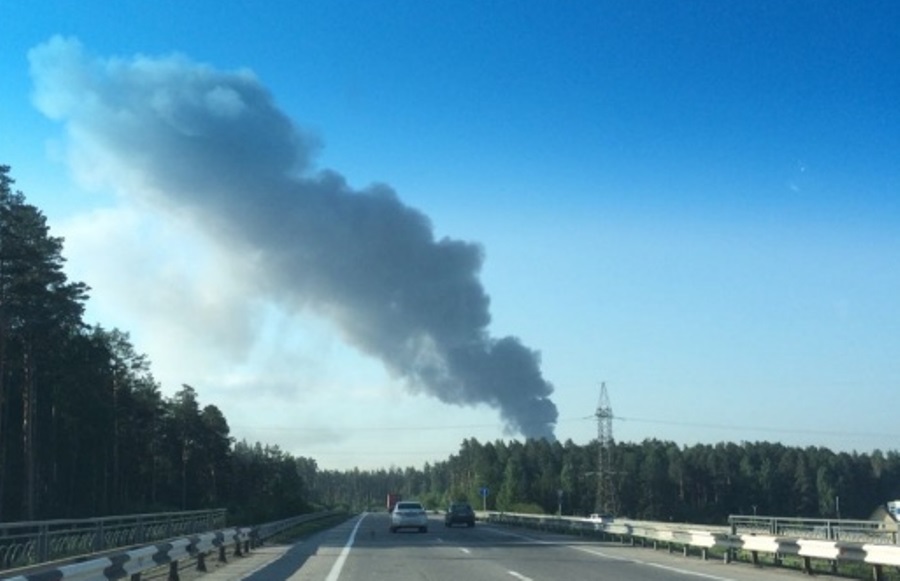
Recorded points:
(213, 146)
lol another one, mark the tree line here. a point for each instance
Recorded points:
(86, 431)
(84, 427)
(652, 480)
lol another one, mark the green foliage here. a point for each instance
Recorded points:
(433, 501)
(84, 430)
(526, 508)
(654, 480)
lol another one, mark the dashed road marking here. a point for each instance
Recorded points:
(592, 551)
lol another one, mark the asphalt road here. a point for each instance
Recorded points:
(362, 549)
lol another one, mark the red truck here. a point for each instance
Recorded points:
(392, 499)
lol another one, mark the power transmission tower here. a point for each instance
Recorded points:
(606, 492)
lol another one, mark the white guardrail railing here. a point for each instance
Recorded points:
(131, 563)
(879, 550)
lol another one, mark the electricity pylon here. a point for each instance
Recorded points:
(606, 492)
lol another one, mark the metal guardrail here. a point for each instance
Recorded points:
(861, 531)
(29, 543)
(791, 538)
(134, 561)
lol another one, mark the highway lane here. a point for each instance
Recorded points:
(363, 549)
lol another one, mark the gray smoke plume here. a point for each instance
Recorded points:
(212, 145)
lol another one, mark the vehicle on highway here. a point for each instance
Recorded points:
(409, 514)
(460, 513)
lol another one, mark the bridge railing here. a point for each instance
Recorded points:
(28, 543)
(863, 531)
(134, 561)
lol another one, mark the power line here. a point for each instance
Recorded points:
(756, 428)
(345, 429)
(591, 418)
(386, 428)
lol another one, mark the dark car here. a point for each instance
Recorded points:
(460, 513)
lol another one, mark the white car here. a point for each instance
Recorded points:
(409, 514)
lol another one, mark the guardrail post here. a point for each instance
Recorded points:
(754, 557)
(222, 558)
(201, 562)
(877, 573)
(140, 534)
(99, 533)
(44, 544)
(173, 571)
(807, 565)
(704, 553)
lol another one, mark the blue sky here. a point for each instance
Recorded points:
(696, 202)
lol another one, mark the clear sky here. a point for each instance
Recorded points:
(358, 227)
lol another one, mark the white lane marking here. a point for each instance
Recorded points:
(519, 576)
(650, 564)
(692, 573)
(616, 558)
(605, 555)
(335, 572)
(465, 550)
